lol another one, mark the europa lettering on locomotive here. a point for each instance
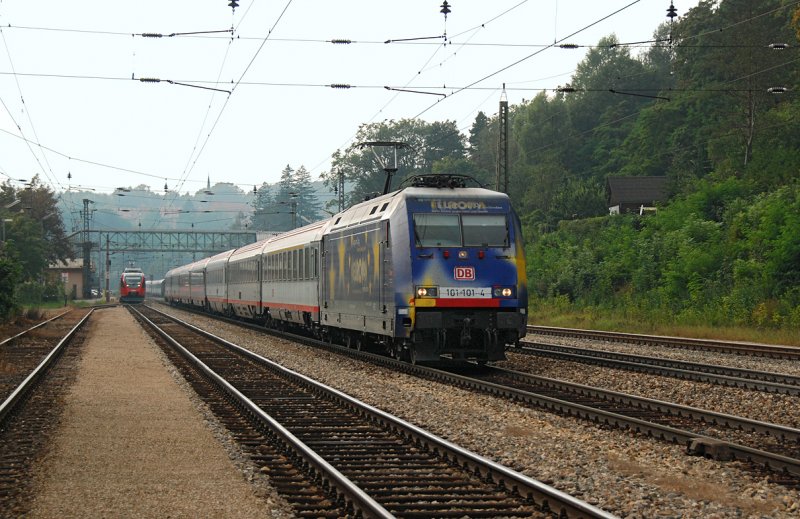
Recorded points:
(457, 205)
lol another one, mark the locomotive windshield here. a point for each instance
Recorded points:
(453, 230)
(484, 230)
(437, 230)
(133, 280)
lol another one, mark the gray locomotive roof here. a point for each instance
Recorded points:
(452, 193)
(383, 206)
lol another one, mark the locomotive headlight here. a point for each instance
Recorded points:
(502, 292)
(427, 292)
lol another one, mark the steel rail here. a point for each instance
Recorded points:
(741, 348)
(357, 497)
(651, 404)
(20, 334)
(663, 432)
(715, 374)
(667, 433)
(14, 398)
(537, 491)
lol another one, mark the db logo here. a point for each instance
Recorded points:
(465, 273)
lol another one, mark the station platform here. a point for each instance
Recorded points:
(132, 443)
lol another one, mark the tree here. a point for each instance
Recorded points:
(738, 65)
(41, 205)
(9, 277)
(262, 203)
(37, 231)
(428, 143)
(307, 203)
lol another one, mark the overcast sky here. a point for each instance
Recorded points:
(66, 72)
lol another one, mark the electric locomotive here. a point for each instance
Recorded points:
(132, 286)
(432, 271)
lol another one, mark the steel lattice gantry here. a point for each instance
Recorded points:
(205, 242)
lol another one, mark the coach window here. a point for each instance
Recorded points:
(485, 230)
(437, 230)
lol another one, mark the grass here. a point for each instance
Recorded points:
(621, 323)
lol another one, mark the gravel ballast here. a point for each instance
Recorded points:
(756, 405)
(626, 474)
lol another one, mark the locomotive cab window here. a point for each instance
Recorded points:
(437, 230)
(484, 230)
(133, 281)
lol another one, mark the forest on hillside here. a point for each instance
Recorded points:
(710, 104)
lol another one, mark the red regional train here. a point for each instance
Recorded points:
(132, 285)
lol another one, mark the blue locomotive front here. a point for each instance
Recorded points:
(432, 271)
(465, 295)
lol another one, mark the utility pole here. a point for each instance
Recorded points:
(108, 267)
(501, 179)
(341, 190)
(87, 247)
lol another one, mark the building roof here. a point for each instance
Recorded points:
(636, 190)
(70, 264)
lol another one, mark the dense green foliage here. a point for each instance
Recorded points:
(33, 238)
(9, 276)
(699, 106)
(723, 255)
(726, 250)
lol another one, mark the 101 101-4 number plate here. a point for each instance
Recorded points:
(465, 292)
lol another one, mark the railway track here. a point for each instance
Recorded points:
(704, 432)
(771, 450)
(36, 366)
(714, 374)
(331, 455)
(739, 348)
